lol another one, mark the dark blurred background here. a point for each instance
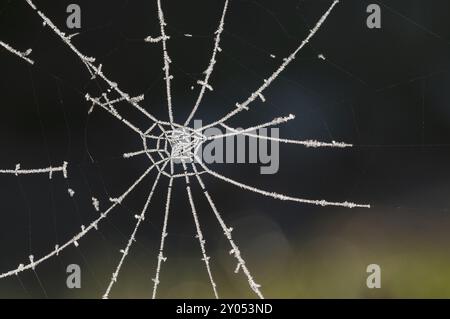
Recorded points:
(386, 91)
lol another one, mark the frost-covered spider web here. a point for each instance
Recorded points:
(172, 149)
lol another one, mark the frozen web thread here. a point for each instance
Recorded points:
(307, 143)
(199, 235)
(227, 231)
(278, 120)
(164, 234)
(84, 230)
(140, 218)
(209, 70)
(176, 142)
(48, 170)
(94, 71)
(267, 82)
(167, 60)
(22, 55)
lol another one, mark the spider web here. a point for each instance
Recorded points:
(172, 149)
